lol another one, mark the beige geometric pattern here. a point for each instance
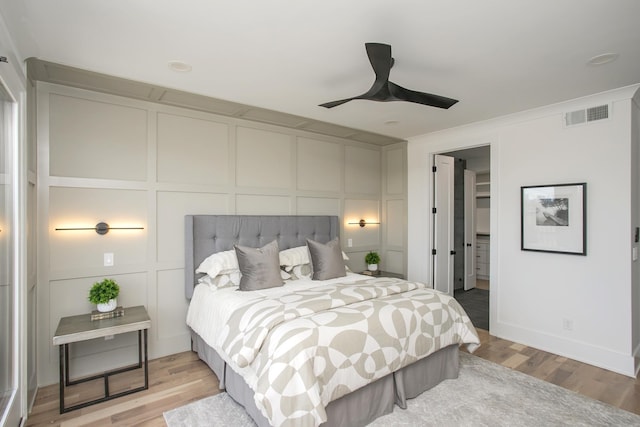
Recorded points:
(311, 347)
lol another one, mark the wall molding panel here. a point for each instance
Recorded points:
(135, 162)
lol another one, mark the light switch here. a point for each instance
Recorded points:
(635, 253)
(349, 243)
(108, 259)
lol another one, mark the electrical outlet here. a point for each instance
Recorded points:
(108, 259)
(108, 337)
(567, 324)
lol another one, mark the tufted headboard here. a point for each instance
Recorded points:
(207, 234)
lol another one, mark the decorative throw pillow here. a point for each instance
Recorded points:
(326, 260)
(260, 267)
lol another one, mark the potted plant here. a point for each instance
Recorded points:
(372, 259)
(104, 295)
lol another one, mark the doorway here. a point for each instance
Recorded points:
(461, 259)
(10, 411)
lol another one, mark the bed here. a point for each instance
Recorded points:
(360, 389)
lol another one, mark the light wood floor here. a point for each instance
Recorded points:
(182, 378)
(173, 381)
(482, 284)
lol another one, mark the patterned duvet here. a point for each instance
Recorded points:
(302, 349)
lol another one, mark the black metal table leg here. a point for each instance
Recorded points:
(62, 376)
(66, 381)
(146, 362)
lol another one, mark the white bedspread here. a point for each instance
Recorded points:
(307, 343)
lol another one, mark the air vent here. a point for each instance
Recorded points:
(587, 115)
(597, 113)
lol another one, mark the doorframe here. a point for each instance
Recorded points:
(470, 241)
(493, 191)
(13, 78)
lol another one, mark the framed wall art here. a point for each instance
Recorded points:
(554, 218)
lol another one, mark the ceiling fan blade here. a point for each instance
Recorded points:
(402, 94)
(336, 103)
(381, 61)
(380, 57)
(383, 90)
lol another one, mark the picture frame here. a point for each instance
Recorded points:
(554, 218)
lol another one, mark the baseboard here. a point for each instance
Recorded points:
(601, 357)
(636, 358)
(32, 401)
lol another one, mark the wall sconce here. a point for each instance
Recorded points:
(362, 223)
(101, 228)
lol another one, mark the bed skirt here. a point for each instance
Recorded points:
(354, 409)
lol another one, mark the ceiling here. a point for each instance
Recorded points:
(496, 56)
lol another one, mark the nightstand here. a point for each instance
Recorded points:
(379, 273)
(74, 329)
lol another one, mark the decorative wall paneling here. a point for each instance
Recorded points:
(130, 162)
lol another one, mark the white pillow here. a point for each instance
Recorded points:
(225, 264)
(219, 263)
(289, 258)
(285, 275)
(221, 280)
(294, 256)
(301, 271)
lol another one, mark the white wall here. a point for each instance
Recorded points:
(533, 293)
(135, 163)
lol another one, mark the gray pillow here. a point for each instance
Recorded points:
(260, 267)
(326, 260)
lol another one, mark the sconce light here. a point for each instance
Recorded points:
(101, 228)
(362, 223)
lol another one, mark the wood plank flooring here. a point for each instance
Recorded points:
(482, 284)
(615, 389)
(179, 379)
(173, 381)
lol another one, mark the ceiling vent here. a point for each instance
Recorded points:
(586, 115)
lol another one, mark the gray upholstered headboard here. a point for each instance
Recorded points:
(207, 234)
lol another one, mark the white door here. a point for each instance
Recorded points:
(469, 229)
(443, 249)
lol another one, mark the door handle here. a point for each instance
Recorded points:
(469, 244)
(453, 252)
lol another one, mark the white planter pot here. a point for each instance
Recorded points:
(108, 306)
(372, 267)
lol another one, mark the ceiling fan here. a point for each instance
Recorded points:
(383, 90)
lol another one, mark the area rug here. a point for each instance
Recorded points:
(485, 394)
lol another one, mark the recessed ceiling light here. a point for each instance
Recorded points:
(179, 66)
(391, 122)
(605, 58)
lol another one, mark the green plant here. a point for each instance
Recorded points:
(372, 258)
(102, 292)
